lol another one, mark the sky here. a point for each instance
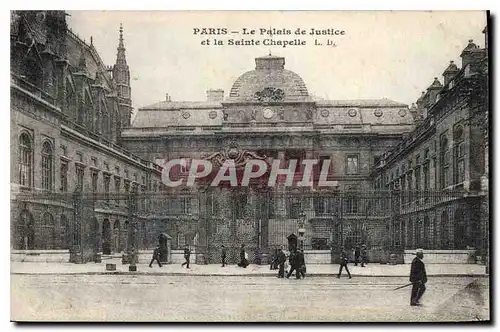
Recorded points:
(390, 54)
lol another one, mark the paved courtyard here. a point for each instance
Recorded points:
(80, 297)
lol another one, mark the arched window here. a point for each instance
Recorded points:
(48, 232)
(25, 160)
(47, 161)
(444, 159)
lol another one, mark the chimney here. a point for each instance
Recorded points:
(468, 53)
(167, 97)
(433, 90)
(215, 95)
(450, 72)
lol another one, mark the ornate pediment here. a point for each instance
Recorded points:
(270, 95)
(236, 154)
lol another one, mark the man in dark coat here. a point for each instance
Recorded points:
(357, 253)
(223, 255)
(364, 255)
(418, 277)
(187, 255)
(243, 259)
(301, 263)
(156, 256)
(294, 264)
(281, 263)
(343, 263)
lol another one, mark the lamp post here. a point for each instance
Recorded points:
(302, 230)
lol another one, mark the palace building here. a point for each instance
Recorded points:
(397, 173)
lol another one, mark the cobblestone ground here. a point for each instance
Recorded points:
(247, 299)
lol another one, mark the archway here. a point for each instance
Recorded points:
(106, 236)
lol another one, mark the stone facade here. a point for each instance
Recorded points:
(67, 112)
(71, 137)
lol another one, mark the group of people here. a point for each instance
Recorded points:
(296, 259)
(296, 262)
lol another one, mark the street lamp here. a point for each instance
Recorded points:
(302, 230)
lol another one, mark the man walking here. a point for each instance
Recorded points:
(343, 263)
(223, 256)
(418, 277)
(357, 253)
(281, 263)
(301, 263)
(294, 260)
(187, 255)
(364, 255)
(156, 256)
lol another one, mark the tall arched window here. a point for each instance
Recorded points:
(25, 160)
(47, 161)
(444, 159)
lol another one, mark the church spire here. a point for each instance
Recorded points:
(120, 56)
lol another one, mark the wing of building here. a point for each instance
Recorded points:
(72, 130)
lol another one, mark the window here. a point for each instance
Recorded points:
(240, 205)
(352, 164)
(181, 240)
(294, 207)
(95, 177)
(25, 160)
(354, 236)
(444, 161)
(126, 186)
(323, 205)
(79, 178)
(64, 177)
(270, 205)
(107, 179)
(458, 155)
(117, 189)
(351, 204)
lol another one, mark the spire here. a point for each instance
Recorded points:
(120, 56)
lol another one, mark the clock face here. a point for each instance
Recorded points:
(268, 113)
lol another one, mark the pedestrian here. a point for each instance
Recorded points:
(187, 255)
(302, 263)
(281, 263)
(294, 264)
(223, 255)
(243, 257)
(343, 263)
(156, 256)
(274, 259)
(418, 277)
(364, 255)
(357, 253)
